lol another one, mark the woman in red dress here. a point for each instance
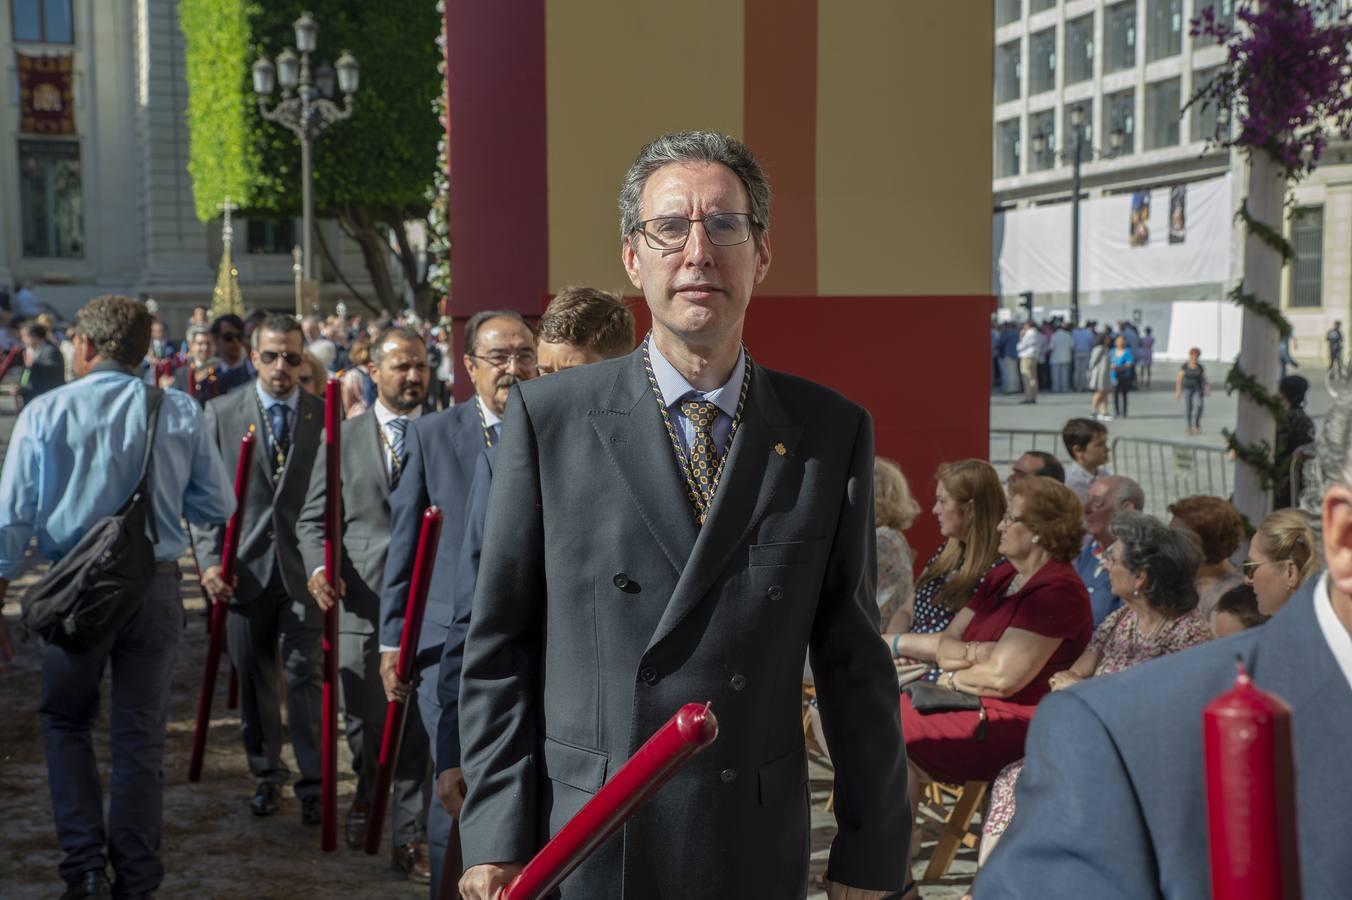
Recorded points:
(1029, 619)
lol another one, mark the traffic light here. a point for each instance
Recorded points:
(1027, 303)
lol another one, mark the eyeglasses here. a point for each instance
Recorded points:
(1250, 566)
(522, 358)
(230, 335)
(268, 357)
(671, 232)
(1008, 519)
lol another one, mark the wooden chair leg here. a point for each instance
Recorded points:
(955, 829)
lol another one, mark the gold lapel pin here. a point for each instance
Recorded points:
(781, 449)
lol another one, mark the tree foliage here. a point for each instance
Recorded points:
(372, 172)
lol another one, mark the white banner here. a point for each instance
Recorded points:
(1126, 241)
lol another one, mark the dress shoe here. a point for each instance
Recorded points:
(355, 825)
(413, 861)
(92, 883)
(265, 800)
(309, 811)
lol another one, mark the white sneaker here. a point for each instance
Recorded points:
(1105, 418)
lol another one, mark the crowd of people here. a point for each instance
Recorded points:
(626, 529)
(1057, 356)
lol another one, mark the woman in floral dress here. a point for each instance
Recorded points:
(1153, 569)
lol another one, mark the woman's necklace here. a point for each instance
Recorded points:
(1137, 638)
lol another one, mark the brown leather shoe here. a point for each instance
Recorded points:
(413, 861)
(355, 825)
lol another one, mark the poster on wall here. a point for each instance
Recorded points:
(1139, 234)
(46, 101)
(1178, 213)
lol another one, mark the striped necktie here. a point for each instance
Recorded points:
(396, 429)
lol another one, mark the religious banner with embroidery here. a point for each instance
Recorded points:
(46, 102)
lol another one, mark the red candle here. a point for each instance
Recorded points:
(333, 564)
(229, 559)
(10, 359)
(396, 713)
(1250, 795)
(192, 382)
(689, 731)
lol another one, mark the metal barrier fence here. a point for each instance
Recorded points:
(1166, 470)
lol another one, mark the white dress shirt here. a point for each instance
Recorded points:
(1335, 633)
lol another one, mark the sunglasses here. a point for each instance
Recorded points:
(230, 335)
(268, 357)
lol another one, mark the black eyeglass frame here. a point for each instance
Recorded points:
(292, 359)
(751, 227)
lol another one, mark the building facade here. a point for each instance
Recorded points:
(1124, 69)
(93, 166)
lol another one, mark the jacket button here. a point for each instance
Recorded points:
(727, 776)
(738, 682)
(648, 675)
(621, 581)
(775, 592)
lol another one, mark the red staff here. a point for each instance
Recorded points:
(333, 563)
(688, 732)
(1250, 795)
(10, 359)
(229, 555)
(396, 712)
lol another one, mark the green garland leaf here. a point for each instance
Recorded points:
(1258, 456)
(1261, 307)
(1265, 233)
(1250, 387)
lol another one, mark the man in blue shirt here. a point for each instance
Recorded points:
(1108, 496)
(74, 458)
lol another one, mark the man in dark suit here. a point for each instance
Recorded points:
(683, 525)
(442, 448)
(581, 325)
(236, 368)
(270, 599)
(201, 365)
(1112, 799)
(373, 456)
(45, 368)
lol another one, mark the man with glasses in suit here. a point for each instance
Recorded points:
(270, 599)
(236, 369)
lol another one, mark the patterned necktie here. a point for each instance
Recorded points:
(703, 451)
(396, 429)
(277, 415)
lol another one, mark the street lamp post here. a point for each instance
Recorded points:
(1040, 144)
(306, 107)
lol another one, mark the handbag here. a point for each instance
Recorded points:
(95, 589)
(928, 698)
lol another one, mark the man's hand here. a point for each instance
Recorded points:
(841, 892)
(215, 586)
(324, 595)
(451, 790)
(484, 882)
(394, 688)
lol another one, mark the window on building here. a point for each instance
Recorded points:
(1080, 49)
(1202, 115)
(1007, 148)
(49, 198)
(1163, 29)
(1119, 114)
(1307, 269)
(1007, 71)
(1161, 113)
(1042, 61)
(1037, 6)
(1007, 11)
(42, 21)
(1224, 12)
(1042, 141)
(1119, 36)
(271, 236)
(1086, 128)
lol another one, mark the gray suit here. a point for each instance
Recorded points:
(366, 538)
(271, 597)
(601, 609)
(1112, 798)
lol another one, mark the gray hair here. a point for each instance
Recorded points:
(1128, 491)
(397, 333)
(695, 147)
(1168, 557)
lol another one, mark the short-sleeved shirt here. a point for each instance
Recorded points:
(1054, 604)
(1194, 378)
(928, 616)
(1121, 645)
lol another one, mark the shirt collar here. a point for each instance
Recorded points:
(291, 402)
(385, 415)
(1339, 641)
(490, 418)
(673, 386)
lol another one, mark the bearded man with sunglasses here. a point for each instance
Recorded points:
(270, 598)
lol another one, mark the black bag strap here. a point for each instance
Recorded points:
(154, 400)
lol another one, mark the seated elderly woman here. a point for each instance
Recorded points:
(1281, 557)
(1221, 530)
(1154, 570)
(1029, 618)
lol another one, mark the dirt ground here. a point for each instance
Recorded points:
(213, 847)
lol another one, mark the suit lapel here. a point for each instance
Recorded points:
(251, 418)
(632, 437)
(754, 471)
(366, 447)
(304, 437)
(468, 438)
